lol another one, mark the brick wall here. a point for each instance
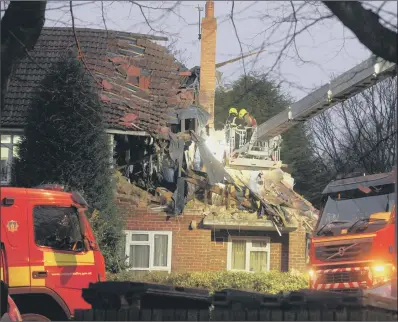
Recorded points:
(192, 249)
(205, 249)
(297, 246)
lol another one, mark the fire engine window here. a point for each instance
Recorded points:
(58, 228)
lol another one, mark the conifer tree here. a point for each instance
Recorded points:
(65, 142)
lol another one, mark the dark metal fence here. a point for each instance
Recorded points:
(351, 314)
(125, 301)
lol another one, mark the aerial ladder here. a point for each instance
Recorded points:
(263, 149)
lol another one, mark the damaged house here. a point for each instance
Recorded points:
(184, 210)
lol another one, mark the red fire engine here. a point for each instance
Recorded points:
(353, 245)
(48, 251)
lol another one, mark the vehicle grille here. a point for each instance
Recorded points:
(346, 290)
(342, 277)
(343, 252)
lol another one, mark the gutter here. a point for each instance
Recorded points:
(250, 225)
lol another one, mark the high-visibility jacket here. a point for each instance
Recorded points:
(231, 121)
(250, 120)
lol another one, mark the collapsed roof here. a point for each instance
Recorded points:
(138, 81)
(144, 88)
(231, 198)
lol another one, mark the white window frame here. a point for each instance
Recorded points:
(151, 243)
(10, 147)
(249, 248)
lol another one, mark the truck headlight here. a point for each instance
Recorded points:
(382, 273)
(379, 268)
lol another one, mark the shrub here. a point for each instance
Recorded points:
(268, 282)
(65, 142)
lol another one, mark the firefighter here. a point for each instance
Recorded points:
(249, 122)
(232, 117)
(248, 119)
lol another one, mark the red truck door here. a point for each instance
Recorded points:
(58, 257)
(14, 237)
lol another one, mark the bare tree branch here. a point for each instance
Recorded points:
(237, 37)
(103, 16)
(366, 26)
(79, 50)
(360, 133)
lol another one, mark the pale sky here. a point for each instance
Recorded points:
(325, 49)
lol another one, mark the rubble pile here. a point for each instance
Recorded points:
(128, 192)
(275, 189)
(189, 173)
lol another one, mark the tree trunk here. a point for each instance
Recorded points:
(21, 26)
(365, 25)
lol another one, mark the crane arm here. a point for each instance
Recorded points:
(348, 84)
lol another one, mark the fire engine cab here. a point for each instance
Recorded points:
(353, 245)
(48, 251)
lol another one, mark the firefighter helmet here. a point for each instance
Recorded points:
(233, 111)
(242, 113)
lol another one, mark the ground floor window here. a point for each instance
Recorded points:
(8, 152)
(148, 250)
(251, 254)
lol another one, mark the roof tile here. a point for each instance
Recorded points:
(137, 76)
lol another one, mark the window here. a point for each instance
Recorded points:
(248, 254)
(57, 228)
(7, 153)
(149, 250)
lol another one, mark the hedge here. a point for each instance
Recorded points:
(267, 282)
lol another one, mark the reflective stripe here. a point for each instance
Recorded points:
(356, 284)
(19, 276)
(337, 286)
(342, 269)
(64, 259)
(233, 122)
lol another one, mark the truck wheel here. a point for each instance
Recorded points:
(34, 317)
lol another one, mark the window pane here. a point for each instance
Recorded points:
(4, 164)
(16, 139)
(4, 153)
(5, 138)
(139, 237)
(123, 246)
(139, 256)
(160, 251)
(238, 254)
(3, 171)
(258, 261)
(58, 228)
(259, 243)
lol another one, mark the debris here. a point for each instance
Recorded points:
(191, 176)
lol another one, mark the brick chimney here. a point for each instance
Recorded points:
(208, 62)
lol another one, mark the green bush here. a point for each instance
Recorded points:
(268, 282)
(65, 142)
